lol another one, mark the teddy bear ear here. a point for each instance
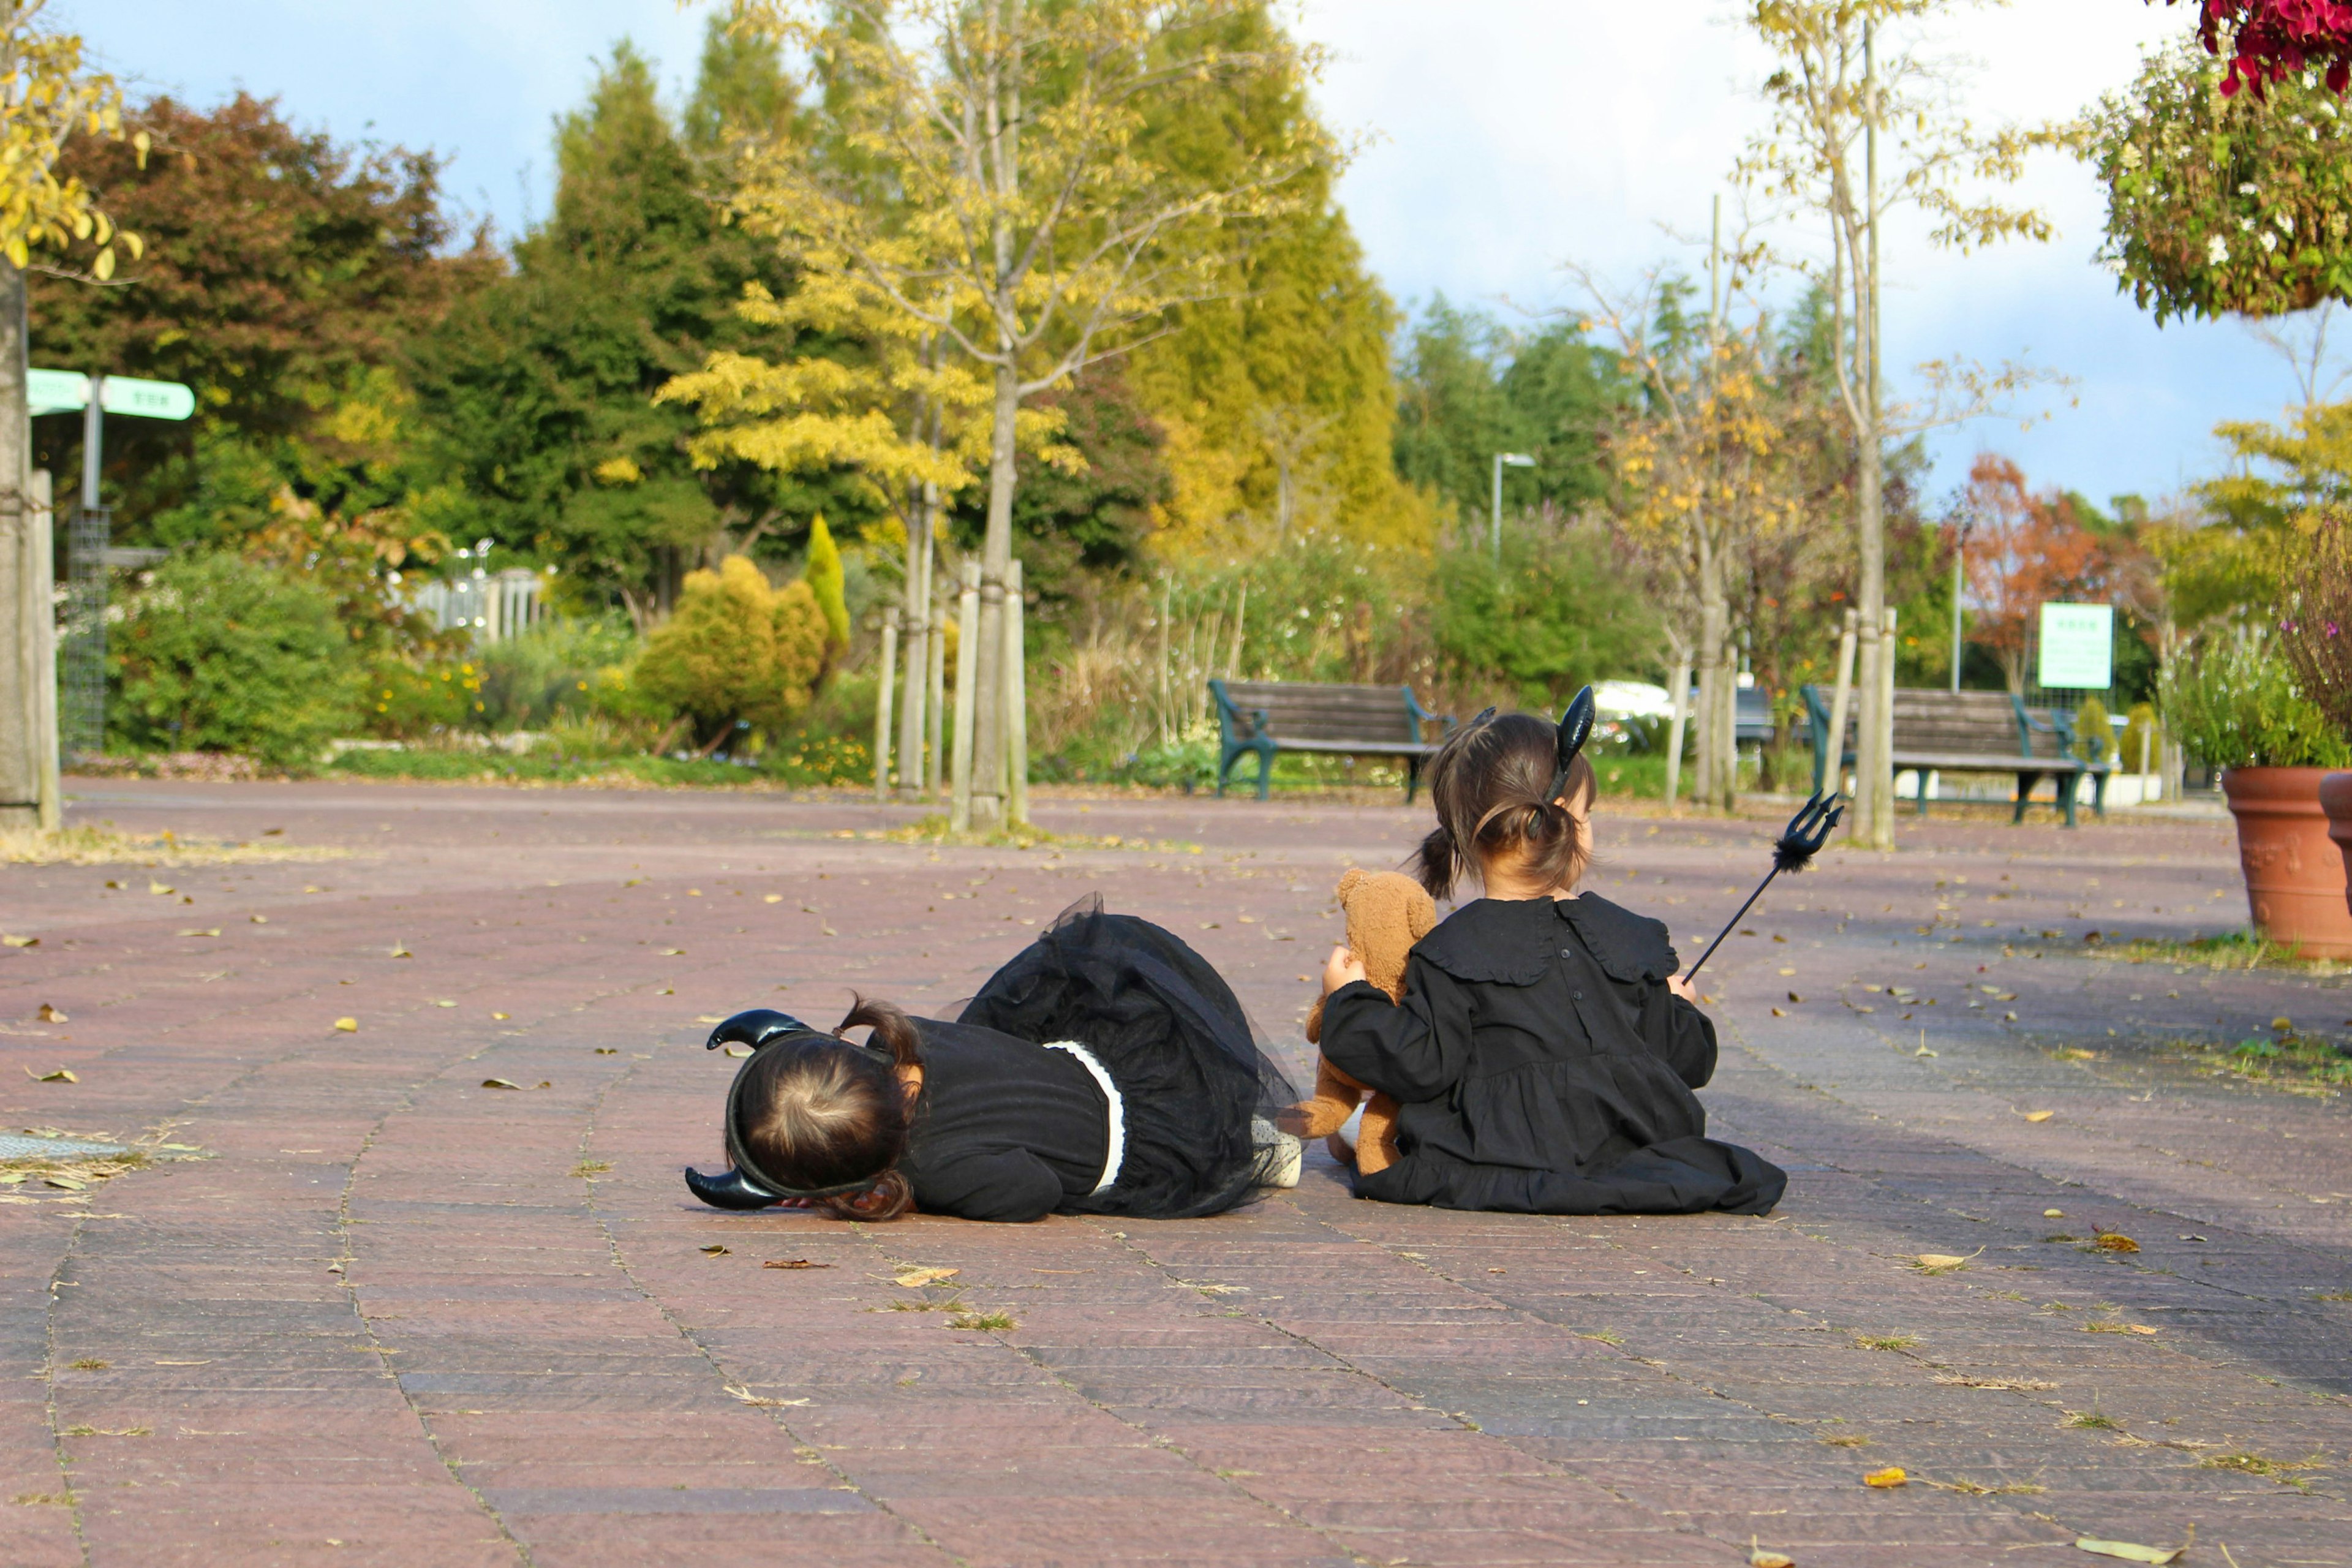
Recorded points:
(1421, 915)
(1349, 880)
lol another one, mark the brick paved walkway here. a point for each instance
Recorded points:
(398, 1318)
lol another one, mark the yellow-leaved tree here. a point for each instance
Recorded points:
(736, 652)
(46, 98)
(977, 164)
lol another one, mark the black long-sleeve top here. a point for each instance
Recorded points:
(1542, 1065)
(1004, 1130)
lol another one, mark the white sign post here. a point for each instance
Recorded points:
(2078, 647)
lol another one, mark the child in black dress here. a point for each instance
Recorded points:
(1544, 1051)
(1106, 1069)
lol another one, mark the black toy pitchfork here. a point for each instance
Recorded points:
(1792, 851)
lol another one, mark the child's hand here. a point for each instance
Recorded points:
(1683, 988)
(1340, 969)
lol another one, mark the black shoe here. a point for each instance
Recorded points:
(730, 1191)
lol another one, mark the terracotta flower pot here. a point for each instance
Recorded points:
(2296, 878)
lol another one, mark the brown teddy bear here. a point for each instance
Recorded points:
(1387, 913)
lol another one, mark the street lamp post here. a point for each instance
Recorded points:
(1959, 549)
(1502, 461)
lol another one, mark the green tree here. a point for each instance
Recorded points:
(736, 651)
(541, 388)
(1470, 388)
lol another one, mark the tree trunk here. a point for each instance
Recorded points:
(21, 766)
(988, 805)
(1682, 679)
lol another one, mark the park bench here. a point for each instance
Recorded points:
(1976, 732)
(1271, 716)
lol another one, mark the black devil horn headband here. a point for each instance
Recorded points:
(1575, 729)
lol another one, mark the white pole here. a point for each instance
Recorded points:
(1839, 705)
(967, 660)
(1675, 730)
(882, 706)
(42, 610)
(1016, 699)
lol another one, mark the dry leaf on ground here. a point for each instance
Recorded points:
(792, 1263)
(748, 1397)
(201, 930)
(2039, 1115)
(1942, 1262)
(348, 1025)
(49, 1015)
(20, 941)
(718, 1248)
(1892, 1476)
(2115, 1241)
(916, 1278)
(498, 1083)
(2133, 1552)
(62, 1074)
(1763, 1557)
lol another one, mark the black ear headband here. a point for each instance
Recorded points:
(1575, 729)
(764, 1028)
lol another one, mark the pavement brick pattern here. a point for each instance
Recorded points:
(398, 1317)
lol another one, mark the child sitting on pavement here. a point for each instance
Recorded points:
(1544, 1051)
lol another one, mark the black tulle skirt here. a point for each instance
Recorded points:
(1199, 1095)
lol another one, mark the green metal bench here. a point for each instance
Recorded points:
(1976, 732)
(1272, 716)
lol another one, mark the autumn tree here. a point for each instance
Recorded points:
(1026, 228)
(1837, 91)
(2025, 550)
(47, 101)
(285, 274)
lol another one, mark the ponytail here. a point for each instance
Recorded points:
(1490, 785)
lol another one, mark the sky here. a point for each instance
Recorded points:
(1499, 139)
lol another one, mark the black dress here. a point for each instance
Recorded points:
(1542, 1066)
(1010, 1128)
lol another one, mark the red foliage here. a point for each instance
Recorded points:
(2023, 550)
(2269, 39)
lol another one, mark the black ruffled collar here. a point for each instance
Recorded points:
(1512, 941)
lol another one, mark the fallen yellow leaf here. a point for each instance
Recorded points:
(709, 1018)
(2115, 1241)
(20, 941)
(2039, 1115)
(348, 1025)
(258, 919)
(673, 953)
(1942, 1262)
(498, 1083)
(1761, 1557)
(61, 1074)
(49, 1015)
(1892, 1476)
(159, 889)
(2053, 1214)
(201, 930)
(773, 898)
(718, 1249)
(916, 1278)
(736, 1051)
(497, 1015)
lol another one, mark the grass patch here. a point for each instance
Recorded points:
(103, 846)
(1886, 1341)
(984, 1322)
(611, 773)
(2283, 1471)
(89, 1364)
(2287, 1059)
(934, 829)
(1606, 1336)
(1968, 1488)
(2242, 949)
(2092, 1420)
(1848, 1440)
(588, 1168)
(45, 1176)
(2009, 1385)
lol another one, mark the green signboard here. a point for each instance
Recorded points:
(2078, 647)
(56, 390)
(68, 391)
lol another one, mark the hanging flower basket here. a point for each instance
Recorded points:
(2223, 202)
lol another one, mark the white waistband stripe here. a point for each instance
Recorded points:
(1115, 1144)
